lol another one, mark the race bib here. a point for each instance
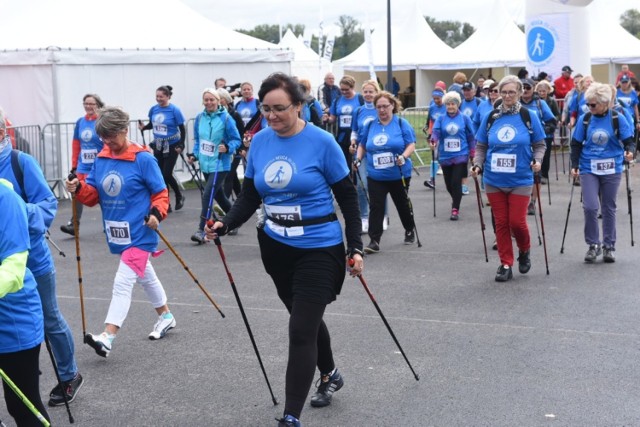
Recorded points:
(88, 155)
(160, 129)
(207, 148)
(345, 121)
(503, 163)
(452, 144)
(285, 213)
(603, 166)
(383, 160)
(118, 232)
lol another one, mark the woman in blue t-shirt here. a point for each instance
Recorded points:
(508, 152)
(341, 113)
(292, 170)
(169, 134)
(598, 150)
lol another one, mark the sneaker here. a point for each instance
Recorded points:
(219, 211)
(495, 245)
(504, 273)
(465, 190)
(429, 184)
(100, 343)
(327, 385)
(608, 254)
(439, 172)
(372, 248)
(68, 228)
(592, 253)
(199, 237)
(454, 215)
(409, 237)
(169, 210)
(365, 225)
(288, 421)
(71, 389)
(385, 223)
(544, 180)
(180, 202)
(524, 262)
(165, 322)
(531, 209)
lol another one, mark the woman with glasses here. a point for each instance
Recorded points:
(85, 147)
(216, 139)
(601, 142)
(292, 169)
(486, 106)
(169, 134)
(454, 135)
(341, 112)
(385, 144)
(509, 150)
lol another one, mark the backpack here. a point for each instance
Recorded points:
(314, 116)
(586, 119)
(525, 115)
(18, 173)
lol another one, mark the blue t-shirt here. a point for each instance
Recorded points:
(541, 109)
(293, 176)
(165, 121)
(343, 109)
(21, 320)
(454, 136)
(484, 108)
(469, 108)
(578, 104)
(125, 189)
(436, 111)
(509, 153)
(383, 145)
(247, 109)
(90, 143)
(364, 115)
(628, 101)
(602, 152)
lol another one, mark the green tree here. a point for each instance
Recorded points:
(351, 36)
(271, 33)
(630, 21)
(451, 32)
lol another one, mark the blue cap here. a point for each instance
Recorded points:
(437, 92)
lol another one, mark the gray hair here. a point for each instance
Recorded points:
(224, 94)
(111, 121)
(511, 79)
(451, 97)
(598, 93)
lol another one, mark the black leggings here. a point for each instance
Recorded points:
(166, 167)
(546, 160)
(378, 191)
(232, 183)
(23, 368)
(453, 175)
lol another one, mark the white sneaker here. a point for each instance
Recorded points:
(165, 322)
(385, 223)
(100, 343)
(365, 225)
(439, 172)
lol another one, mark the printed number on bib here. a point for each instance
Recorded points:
(207, 148)
(603, 166)
(503, 163)
(452, 144)
(383, 160)
(118, 232)
(285, 213)
(345, 121)
(160, 129)
(89, 155)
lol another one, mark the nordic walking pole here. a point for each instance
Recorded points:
(566, 222)
(555, 155)
(189, 272)
(406, 192)
(482, 226)
(626, 175)
(144, 143)
(549, 190)
(65, 398)
(384, 319)
(244, 316)
(24, 399)
(47, 236)
(536, 219)
(364, 190)
(544, 239)
(76, 236)
(434, 173)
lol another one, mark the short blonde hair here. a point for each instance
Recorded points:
(543, 84)
(371, 83)
(212, 91)
(599, 93)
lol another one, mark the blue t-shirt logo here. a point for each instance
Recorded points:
(367, 121)
(452, 128)
(278, 174)
(506, 133)
(380, 139)
(86, 135)
(158, 118)
(540, 44)
(600, 137)
(112, 184)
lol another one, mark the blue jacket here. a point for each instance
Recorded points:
(211, 130)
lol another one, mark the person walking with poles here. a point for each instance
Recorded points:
(216, 141)
(128, 184)
(296, 169)
(510, 147)
(601, 143)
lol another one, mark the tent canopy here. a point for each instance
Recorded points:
(306, 63)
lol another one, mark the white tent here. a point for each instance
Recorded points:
(55, 52)
(610, 42)
(306, 63)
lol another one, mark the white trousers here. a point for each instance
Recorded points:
(123, 288)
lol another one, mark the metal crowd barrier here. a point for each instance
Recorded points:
(417, 117)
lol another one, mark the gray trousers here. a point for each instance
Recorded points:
(600, 191)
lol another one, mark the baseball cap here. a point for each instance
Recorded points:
(567, 69)
(487, 83)
(467, 86)
(528, 82)
(625, 78)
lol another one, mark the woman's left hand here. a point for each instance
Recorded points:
(535, 166)
(628, 156)
(222, 148)
(358, 265)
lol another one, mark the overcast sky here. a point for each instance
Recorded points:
(246, 14)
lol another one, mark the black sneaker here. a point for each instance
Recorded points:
(327, 385)
(180, 202)
(409, 237)
(608, 254)
(68, 228)
(504, 274)
(495, 245)
(169, 210)
(524, 262)
(372, 248)
(429, 184)
(592, 253)
(70, 387)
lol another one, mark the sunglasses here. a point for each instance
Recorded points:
(494, 91)
(527, 87)
(592, 105)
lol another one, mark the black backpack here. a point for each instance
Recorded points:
(525, 115)
(586, 119)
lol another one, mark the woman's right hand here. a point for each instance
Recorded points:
(211, 230)
(575, 172)
(72, 185)
(475, 171)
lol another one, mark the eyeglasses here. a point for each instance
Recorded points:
(508, 93)
(527, 87)
(276, 109)
(494, 91)
(592, 105)
(383, 107)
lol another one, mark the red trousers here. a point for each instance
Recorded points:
(510, 214)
